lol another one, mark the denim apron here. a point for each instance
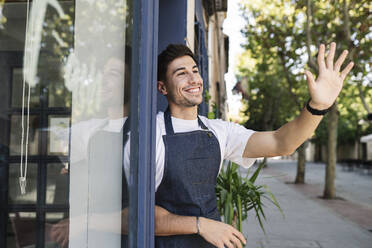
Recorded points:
(104, 141)
(192, 162)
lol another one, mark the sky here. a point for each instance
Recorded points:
(231, 27)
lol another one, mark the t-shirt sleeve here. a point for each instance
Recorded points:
(236, 140)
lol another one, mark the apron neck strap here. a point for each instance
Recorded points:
(169, 126)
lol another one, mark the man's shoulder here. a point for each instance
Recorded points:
(212, 122)
(218, 125)
(223, 124)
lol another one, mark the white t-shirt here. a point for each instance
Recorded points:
(232, 138)
(81, 133)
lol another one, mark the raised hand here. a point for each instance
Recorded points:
(220, 234)
(327, 86)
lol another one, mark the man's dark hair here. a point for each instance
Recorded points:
(172, 52)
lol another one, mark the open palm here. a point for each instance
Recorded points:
(327, 86)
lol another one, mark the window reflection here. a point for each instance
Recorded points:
(57, 183)
(58, 134)
(54, 223)
(14, 195)
(97, 148)
(17, 80)
(16, 134)
(22, 229)
(79, 128)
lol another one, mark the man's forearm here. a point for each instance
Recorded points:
(214, 232)
(167, 223)
(285, 140)
(294, 133)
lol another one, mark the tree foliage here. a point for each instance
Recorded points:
(282, 38)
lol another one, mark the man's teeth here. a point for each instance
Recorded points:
(194, 90)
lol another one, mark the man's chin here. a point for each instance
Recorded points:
(194, 103)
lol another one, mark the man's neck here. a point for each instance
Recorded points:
(186, 113)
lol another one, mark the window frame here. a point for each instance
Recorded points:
(143, 117)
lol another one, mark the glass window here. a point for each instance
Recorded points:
(56, 223)
(16, 134)
(16, 88)
(14, 194)
(57, 180)
(65, 95)
(21, 229)
(58, 134)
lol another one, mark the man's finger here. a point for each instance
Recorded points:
(220, 245)
(228, 243)
(340, 60)
(346, 70)
(321, 63)
(331, 56)
(240, 236)
(236, 241)
(310, 79)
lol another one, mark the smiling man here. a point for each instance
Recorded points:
(190, 148)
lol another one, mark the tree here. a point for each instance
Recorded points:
(282, 39)
(334, 20)
(275, 40)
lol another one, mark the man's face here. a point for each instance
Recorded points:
(184, 85)
(112, 83)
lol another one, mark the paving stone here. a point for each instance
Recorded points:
(278, 243)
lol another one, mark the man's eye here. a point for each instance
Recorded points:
(181, 73)
(196, 71)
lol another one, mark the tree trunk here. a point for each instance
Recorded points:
(301, 162)
(329, 187)
(361, 95)
(309, 16)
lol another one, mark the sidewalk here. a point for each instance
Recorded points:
(311, 222)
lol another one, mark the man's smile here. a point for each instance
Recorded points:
(193, 90)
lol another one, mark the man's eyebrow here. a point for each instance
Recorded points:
(178, 69)
(195, 66)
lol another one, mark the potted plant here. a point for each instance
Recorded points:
(236, 195)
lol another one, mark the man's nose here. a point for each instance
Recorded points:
(193, 77)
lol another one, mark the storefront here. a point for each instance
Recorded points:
(77, 98)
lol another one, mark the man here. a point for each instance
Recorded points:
(90, 138)
(191, 148)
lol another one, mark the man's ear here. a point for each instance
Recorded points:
(161, 88)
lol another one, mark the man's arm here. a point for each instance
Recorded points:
(215, 232)
(323, 91)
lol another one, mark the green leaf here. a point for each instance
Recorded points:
(255, 174)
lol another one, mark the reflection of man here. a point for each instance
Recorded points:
(190, 148)
(97, 159)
